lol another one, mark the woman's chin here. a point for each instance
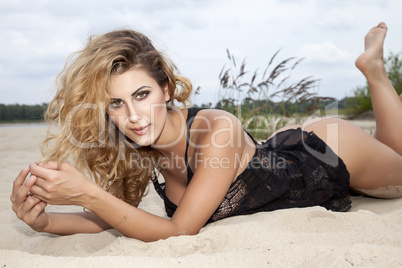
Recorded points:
(135, 143)
(141, 143)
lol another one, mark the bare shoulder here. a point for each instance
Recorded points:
(214, 154)
(215, 119)
(217, 129)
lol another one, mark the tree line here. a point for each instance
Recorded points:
(10, 113)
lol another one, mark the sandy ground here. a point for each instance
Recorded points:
(369, 235)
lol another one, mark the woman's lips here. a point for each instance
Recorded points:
(140, 131)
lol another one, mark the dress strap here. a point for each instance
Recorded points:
(160, 187)
(192, 112)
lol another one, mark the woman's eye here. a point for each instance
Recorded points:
(115, 104)
(141, 95)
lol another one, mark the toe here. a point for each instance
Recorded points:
(382, 25)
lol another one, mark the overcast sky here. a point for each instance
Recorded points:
(37, 36)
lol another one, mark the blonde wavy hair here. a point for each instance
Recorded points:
(79, 109)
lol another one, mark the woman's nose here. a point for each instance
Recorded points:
(133, 114)
(134, 118)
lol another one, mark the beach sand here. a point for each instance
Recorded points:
(369, 235)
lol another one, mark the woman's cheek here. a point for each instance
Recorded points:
(119, 121)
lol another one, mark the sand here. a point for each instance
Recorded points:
(369, 235)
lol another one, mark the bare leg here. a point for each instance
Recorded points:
(374, 163)
(387, 105)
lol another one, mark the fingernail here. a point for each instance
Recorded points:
(31, 179)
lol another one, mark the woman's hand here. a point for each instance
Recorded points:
(28, 208)
(60, 184)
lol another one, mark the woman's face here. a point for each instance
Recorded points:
(138, 106)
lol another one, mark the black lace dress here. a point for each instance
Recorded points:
(292, 169)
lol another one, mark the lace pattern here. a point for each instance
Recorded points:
(292, 169)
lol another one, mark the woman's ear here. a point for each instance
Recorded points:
(166, 92)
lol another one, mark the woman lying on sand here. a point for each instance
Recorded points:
(114, 106)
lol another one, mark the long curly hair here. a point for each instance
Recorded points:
(79, 109)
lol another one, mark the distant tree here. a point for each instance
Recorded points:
(21, 113)
(394, 70)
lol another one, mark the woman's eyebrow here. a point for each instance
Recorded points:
(139, 89)
(132, 94)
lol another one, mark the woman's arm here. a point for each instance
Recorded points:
(73, 223)
(64, 185)
(131, 221)
(215, 162)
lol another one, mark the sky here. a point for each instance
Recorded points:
(36, 38)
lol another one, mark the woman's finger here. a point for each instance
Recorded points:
(50, 165)
(41, 183)
(22, 208)
(18, 182)
(40, 193)
(22, 192)
(37, 207)
(42, 172)
(29, 203)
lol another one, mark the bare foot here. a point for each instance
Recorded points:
(372, 59)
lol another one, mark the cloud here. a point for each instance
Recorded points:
(326, 52)
(37, 36)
